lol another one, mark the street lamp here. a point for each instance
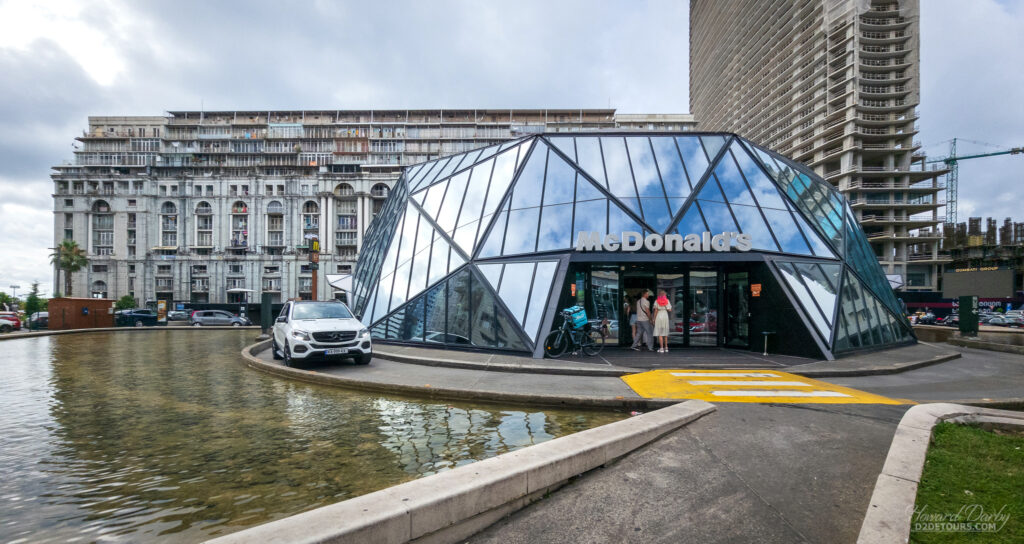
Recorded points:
(14, 290)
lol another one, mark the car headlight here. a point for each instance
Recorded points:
(365, 333)
(301, 335)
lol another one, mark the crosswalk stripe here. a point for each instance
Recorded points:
(768, 383)
(725, 374)
(749, 393)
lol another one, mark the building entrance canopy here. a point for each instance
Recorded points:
(474, 250)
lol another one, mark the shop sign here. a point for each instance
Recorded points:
(635, 241)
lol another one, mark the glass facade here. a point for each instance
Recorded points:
(473, 249)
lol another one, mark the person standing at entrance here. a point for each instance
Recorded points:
(627, 309)
(644, 329)
(662, 308)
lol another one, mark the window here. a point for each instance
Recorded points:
(131, 269)
(69, 202)
(102, 228)
(168, 225)
(131, 202)
(163, 269)
(310, 218)
(99, 268)
(199, 269)
(271, 269)
(239, 224)
(209, 190)
(234, 269)
(204, 224)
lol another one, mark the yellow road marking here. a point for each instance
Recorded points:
(738, 386)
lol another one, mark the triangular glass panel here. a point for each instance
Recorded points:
(712, 145)
(620, 176)
(542, 280)
(491, 326)
(455, 260)
(449, 211)
(515, 289)
(418, 180)
(731, 182)
(691, 222)
(555, 232)
(529, 186)
(820, 248)
(590, 216)
(863, 316)
(588, 158)
(434, 198)
(564, 144)
(435, 301)
(491, 247)
(492, 272)
(718, 217)
(695, 160)
(585, 190)
(861, 257)
(807, 300)
(670, 166)
(619, 221)
(472, 206)
(501, 178)
(763, 188)
(434, 174)
(559, 182)
(439, 259)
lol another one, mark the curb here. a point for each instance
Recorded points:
(36, 334)
(990, 346)
(891, 509)
(452, 505)
(578, 401)
(605, 372)
(872, 371)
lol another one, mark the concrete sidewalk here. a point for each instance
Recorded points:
(615, 361)
(745, 473)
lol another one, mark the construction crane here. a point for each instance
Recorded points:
(952, 162)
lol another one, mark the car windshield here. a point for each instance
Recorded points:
(322, 310)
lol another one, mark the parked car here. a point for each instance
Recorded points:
(997, 321)
(177, 315)
(307, 330)
(927, 319)
(39, 320)
(139, 317)
(205, 318)
(9, 321)
(1013, 321)
(952, 320)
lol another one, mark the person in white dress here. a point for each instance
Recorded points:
(662, 309)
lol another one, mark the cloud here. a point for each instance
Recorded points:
(63, 61)
(970, 90)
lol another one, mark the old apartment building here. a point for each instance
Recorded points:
(220, 206)
(833, 84)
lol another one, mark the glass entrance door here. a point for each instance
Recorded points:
(737, 310)
(674, 286)
(703, 308)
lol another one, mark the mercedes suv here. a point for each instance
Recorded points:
(308, 330)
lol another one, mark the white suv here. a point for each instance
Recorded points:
(308, 330)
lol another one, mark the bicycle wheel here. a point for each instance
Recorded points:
(592, 343)
(555, 344)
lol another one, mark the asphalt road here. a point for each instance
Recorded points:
(979, 375)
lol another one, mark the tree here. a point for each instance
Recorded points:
(126, 302)
(70, 258)
(33, 303)
(5, 300)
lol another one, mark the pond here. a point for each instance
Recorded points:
(167, 436)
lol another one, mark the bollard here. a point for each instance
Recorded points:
(766, 334)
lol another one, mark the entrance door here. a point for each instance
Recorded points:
(737, 310)
(703, 308)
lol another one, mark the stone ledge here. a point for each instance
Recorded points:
(891, 509)
(450, 505)
(36, 334)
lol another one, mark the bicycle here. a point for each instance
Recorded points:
(588, 340)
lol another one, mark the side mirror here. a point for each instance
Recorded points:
(282, 319)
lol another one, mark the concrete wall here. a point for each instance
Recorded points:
(452, 505)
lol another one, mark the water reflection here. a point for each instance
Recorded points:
(165, 436)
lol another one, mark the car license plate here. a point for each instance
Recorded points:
(336, 351)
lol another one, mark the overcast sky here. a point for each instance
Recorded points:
(61, 61)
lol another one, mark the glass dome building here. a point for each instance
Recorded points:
(482, 249)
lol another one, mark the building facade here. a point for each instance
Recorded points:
(985, 262)
(485, 254)
(833, 84)
(218, 207)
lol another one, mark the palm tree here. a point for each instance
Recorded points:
(70, 258)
